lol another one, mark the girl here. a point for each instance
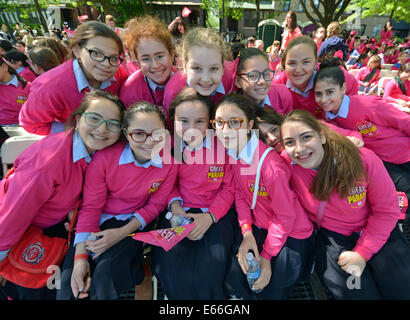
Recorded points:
(291, 30)
(360, 63)
(125, 188)
(277, 230)
(18, 60)
(42, 59)
(386, 33)
(48, 177)
(333, 41)
(196, 267)
(14, 91)
(397, 90)
(320, 35)
(150, 41)
(351, 199)
(368, 77)
(274, 60)
(202, 53)
(401, 59)
(56, 45)
(384, 128)
(254, 80)
(96, 49)
(300, 62)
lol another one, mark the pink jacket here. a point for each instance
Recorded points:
(392, 91)
(53, 97)
(288, 35)
(384, 128)
(11, 100)
(28, 74)
(205, 179)
(371, 208)
(277, 207)
(362, 74)
(115, 189)
(44, 188)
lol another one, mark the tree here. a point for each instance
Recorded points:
(396, 9)
(326, 12)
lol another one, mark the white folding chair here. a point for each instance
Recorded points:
(387, 66)
(13, 146)
(388, 73)
(382, 84)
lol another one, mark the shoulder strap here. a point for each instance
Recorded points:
(370, 75)
(258, 173)
(320, 212)
(401, 85)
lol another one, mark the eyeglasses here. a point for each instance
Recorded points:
(139, 136)
(255, 75)
(95, 55)
(234, 124)
(95, 120)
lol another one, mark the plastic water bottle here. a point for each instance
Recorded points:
(254, 271)
(177, 220)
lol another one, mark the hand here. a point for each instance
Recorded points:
(177, 209)
(248, 243)
(266, 273)
(352, 263)
(2, 281)
(81, 272)
(106, 239)
(70, 217)
(202, 223)
(357, 142)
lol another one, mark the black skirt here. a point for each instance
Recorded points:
(293, 263)
(195, 270)
(114, 272)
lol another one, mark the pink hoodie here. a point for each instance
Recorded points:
(11, 100)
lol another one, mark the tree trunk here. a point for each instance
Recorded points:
(392, 10)
(40, 14)
(258, 12)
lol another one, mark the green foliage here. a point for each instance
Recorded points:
(397, 9)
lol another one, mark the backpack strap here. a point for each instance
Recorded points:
(258, 173)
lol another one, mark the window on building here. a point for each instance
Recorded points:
(286, 5)
(300, 8)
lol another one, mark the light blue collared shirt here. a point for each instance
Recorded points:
(153, 85)
(79, 149)
(246, 153)
(309, 86)
(343, 110)
(128, 157)
(266, 101)
(82, 81)
(19, 70)
(14, 81)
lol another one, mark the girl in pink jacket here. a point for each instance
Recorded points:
(56, 93)
(254, 80)
(205, 68)
(397, 90)
(14, 92)
(277, 230)
(151, 43)
(350, 197)
(384, 128)
(368, 77)
(46, 184)
(204, 192)
(125, 189)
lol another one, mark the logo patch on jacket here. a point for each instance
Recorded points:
(366, 128)
(155, 185)
(357, 197)
(215, 173)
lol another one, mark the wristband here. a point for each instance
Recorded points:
(212, 217)
(81, 256)
(246, 227)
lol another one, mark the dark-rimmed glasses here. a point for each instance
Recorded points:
(97, 56)
(255, 75)
(95, 120)
(140, 136)
(234, 124)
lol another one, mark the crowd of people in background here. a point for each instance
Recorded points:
(332, 139)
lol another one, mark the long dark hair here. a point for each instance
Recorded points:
(13, 72)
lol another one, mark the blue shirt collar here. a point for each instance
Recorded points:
(246, 153)
(79, 149)
(309, 86)
(206, 144)
(20, 69)
(153, 85)
(14, 81)
(266, 102)
(82, 81)
(220, 89)
(128, 157)
(343, 110)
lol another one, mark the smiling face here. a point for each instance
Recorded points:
(155, 60)
(97, 138)
(191, 122)
(94, 71)
(329, 95)
(300, 65)
(303, 145)
(147, 123)
(270, 134)
(255, 91)
(204, 69)
(234, 139)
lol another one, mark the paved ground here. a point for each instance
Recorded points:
(305, 290)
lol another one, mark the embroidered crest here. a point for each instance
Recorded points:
(33, 253)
